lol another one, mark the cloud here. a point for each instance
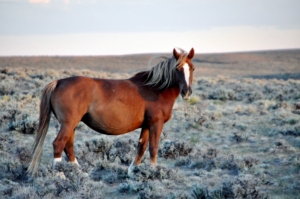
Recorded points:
(39, 1)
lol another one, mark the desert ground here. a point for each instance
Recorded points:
(238, 136)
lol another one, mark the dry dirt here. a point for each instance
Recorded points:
(237, 137)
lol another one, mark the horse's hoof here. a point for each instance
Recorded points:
(75, 163)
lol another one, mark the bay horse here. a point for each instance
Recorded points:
(114, 107)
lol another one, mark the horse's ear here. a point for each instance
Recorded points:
(175, 54)
(191, 53)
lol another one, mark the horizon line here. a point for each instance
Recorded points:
(149, 53)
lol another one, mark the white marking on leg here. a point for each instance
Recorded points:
(55, 161)
(186, 70)
(141, 140)
(75, 162)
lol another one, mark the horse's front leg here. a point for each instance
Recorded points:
(154, 136)
(143, 143)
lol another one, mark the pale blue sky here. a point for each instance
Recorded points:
(89, 27)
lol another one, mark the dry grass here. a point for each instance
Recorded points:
(235, 138)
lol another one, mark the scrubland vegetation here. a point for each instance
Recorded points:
(236, 137)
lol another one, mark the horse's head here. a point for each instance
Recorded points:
(184, 72)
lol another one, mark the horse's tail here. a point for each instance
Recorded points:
(44, 119)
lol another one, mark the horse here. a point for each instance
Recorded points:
(114, 107)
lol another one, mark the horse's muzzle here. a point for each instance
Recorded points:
(187, 95)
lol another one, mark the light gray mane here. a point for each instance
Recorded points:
(162, 75)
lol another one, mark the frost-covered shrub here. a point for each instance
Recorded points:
(99, 146)
(240, 187)
(253, 96)
(108, 172)
(91, 151)
(173, 149)
(199, 192)
(26, 125)
(7, 86)
(205, 164)
(222, 94)
(124, 150)
(134, 187)
(229, 164)
(294, 131)
(23, 153)
(182, 161)
(145, 172)
(11, 168)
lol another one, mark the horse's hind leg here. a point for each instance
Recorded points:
(69, 149)
(64, 139)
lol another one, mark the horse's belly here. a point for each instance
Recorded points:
(114, 123)
(118, 110)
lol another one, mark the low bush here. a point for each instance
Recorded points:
(108, 172)
(205, 164)
(134, 187)
(230, 165)
(99, 146)
(223, 95)
(11, 168)
(145, 172)
(253, 96)
(240, 187)
(27, 125)
(7, 86)
(124, 150)
(294, 131)
(174, 149)
(199, 192)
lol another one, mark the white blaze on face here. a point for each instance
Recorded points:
(186, 70)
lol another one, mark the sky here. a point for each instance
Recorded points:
(117, 27)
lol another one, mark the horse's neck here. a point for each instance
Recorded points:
(171, 93)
